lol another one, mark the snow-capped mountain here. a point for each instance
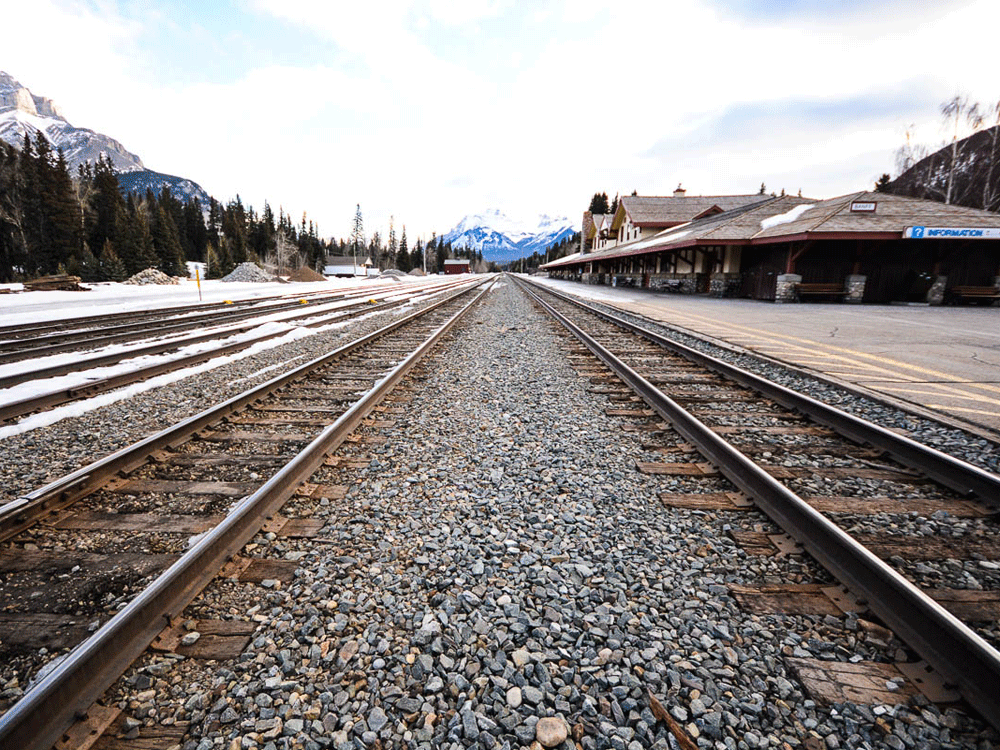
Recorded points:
(503, 239)
(22, 112)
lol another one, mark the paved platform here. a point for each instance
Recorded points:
(945, 360)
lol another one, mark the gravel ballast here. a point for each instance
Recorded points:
(500, 575)
(959, 443)
(33, 458)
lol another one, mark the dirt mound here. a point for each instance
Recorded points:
(307, 274)
(417, 272)
(150, 276)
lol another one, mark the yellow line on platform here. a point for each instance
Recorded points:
(946, 408)
(810, 346)
(938, 393)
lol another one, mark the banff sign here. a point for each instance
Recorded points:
(965, 233)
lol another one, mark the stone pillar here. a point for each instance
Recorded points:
(854, 285)
(724, 285)
(787, 288)
(935, 295)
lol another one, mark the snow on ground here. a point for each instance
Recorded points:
(32, 307)
(317, 312)
(75, 409)
(28, 308)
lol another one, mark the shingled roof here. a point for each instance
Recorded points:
(791, 218)
(892, 214)
(666, 211)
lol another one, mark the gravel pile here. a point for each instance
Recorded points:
(500, 575)
(151, 276)
(248, 272)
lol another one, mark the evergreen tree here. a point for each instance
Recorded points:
(357, 238)
(13, 243)
(403, 261)
(213, 231)
(881, 184)
(106, 211)
(599, 204)
(166, 242)
(440, 256)
(111, 265)
(138, 253)
(89, 267)
(417, 256)
(393, 247)
(64, 210)
(195, 235)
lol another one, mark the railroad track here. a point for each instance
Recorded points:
(41, 398)
(738, 443)
(85, 334)
(110, 549)
(23, 332)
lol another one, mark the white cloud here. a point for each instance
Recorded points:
(577, 101)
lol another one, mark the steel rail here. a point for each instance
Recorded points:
(13, 409)
(958, 475)
(40, 717)
(16, 351)
(103, 360)
(962, 657)
(44, 346)
(95, 321)
(22, 512)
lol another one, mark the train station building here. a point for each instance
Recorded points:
(861, 247)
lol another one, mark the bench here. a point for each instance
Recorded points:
(986, 294)
(821, 290)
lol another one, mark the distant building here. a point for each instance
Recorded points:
(347, 266)
(457, 265)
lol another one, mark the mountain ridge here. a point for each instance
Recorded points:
(24, 113)
(502, 239)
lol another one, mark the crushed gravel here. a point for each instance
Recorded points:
(501, 575)
(955, 442)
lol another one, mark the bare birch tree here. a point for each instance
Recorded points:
(958, 112)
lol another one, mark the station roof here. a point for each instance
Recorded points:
(792, 219)
(653, 211)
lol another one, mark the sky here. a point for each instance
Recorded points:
(428, 110)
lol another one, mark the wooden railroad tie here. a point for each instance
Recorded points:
(929, 548)
(855, 506)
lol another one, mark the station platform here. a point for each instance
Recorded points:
(941, 361)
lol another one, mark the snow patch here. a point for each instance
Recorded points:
(787, 217)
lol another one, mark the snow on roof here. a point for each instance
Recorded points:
(788, 216)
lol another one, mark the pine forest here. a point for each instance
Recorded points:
(54, 222)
